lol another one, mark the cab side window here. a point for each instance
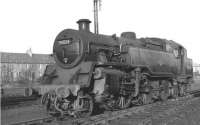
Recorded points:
(169, 48)
(179, 52)
(176, 53)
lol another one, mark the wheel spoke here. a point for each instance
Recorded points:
(123, 102)
(86, 106)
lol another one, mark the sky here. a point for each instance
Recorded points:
(34, 24)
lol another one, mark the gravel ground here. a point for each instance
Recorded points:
(188, 114)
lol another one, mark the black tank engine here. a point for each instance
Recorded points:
(112, 72)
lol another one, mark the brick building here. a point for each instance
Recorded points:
(22, 68)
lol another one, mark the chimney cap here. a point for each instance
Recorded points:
(83, 20)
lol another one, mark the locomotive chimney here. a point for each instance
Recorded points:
(84, 25)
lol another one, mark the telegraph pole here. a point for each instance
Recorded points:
(96, 23)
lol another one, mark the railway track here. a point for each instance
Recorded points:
(140, 115)
(195, 93)
(38, 121)
(15, 102)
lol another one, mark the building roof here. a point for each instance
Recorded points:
(24, 58)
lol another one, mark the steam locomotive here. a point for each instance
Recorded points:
(112, 72)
